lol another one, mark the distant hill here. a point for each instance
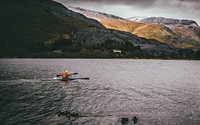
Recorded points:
(45, 28)
(187, 32)
(178, 33)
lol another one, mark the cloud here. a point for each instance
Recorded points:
(113, 2)
(179, 9)
(140, 3)
(189, 1)
(193, 4)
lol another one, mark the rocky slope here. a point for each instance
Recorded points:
(150, 48)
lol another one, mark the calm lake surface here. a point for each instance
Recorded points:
(157, 92)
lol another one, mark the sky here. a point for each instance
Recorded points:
(177, 9)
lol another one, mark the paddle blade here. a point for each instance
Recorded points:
(85, 78)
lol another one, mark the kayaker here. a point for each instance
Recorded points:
(65, 74)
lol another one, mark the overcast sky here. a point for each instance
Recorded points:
(178, 9)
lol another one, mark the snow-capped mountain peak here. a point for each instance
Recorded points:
(163, 21)
(136, 18)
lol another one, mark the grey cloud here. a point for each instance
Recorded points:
(192, 4)
(189, 1)
(140, 3)
(123, 2)
(172, 8)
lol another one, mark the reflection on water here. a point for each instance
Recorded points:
(65, 85)
(142, 92)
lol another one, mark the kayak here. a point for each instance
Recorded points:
(66, 79)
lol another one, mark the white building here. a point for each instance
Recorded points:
(117, 51)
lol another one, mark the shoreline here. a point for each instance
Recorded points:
(100, 58)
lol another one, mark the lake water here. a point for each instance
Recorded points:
(156, 92)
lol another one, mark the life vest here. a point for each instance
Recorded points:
(65, 75)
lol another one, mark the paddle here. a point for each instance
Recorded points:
(70, 74)
(85, 78)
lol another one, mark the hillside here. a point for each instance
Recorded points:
(29, 26)
(184, 35)
(148, 31)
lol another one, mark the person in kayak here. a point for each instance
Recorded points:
(65, 74)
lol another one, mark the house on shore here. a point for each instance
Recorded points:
(117, 51)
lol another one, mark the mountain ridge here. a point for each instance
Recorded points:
(164, 21)
(94, 14)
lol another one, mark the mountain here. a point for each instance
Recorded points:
(45, 28)
(187, 31)
(178, 33)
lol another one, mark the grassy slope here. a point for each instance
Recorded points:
(180, 37)
(149, 31)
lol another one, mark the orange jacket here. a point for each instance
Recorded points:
(65, 75)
